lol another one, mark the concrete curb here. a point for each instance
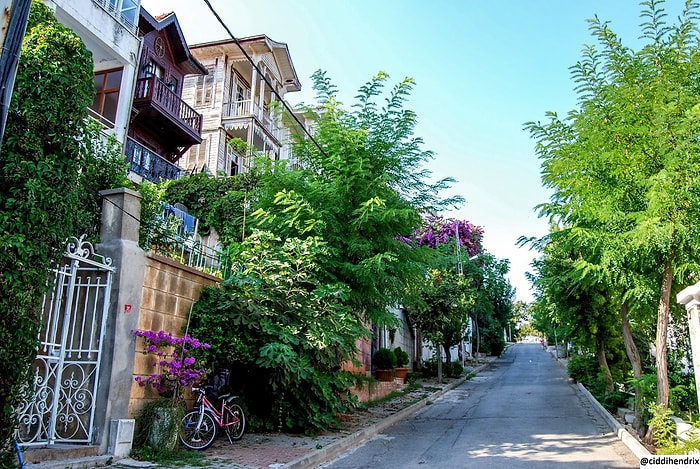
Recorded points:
(337, 448)
(622, 434)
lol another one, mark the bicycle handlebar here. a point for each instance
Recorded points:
(203, 390)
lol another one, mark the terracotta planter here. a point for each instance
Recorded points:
(384, 375)
(402, 374)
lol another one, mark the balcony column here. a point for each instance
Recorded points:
(253, 92)
(261, 100)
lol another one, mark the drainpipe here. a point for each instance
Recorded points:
(14, 25)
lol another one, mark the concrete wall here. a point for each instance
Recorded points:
(148, 292)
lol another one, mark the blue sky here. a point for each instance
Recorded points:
(482, 69)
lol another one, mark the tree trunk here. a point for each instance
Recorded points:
(661, 341)
(603, 362)
(448, 355)
(636, 362)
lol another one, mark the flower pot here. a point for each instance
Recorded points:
(401, 373)
(164, 429)
(384, 375)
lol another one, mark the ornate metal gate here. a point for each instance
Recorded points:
(60, 407)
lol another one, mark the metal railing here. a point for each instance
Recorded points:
(148, 164)
(172, 237)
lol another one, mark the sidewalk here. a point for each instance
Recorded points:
(291, 451)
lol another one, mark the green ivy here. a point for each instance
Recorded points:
(50, 176)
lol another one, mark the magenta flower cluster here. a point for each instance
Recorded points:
(439, 230)
(176, 365)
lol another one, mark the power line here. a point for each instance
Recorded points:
(267, 80)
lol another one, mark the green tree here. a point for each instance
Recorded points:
(41, 160)
(362, 185)
(624, 162)
(284, 331)
(442, 315)
(494, 301)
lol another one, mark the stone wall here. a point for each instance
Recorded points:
(169, 291)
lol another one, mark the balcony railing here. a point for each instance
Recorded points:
(127, 20)
(153, 90)
(248, 108)
(148, 164)
(173, 234)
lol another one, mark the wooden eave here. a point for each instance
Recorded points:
(170, 27)
(256, 45)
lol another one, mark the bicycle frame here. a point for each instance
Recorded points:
(218, 415)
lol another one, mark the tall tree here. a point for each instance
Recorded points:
(362, 186)
(624, 161)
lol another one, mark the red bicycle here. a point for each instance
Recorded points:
(201, 425)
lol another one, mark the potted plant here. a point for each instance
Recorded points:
(385, 361)
(401, 362)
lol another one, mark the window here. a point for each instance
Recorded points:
(129, 11)
(234, 158)
(124, 11)
(240, 95)
(104, 105)
(204, 92)
(172, 84)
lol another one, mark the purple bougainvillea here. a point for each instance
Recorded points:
(175, 365)
(439, 230)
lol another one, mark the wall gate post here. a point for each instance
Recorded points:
(119, 239)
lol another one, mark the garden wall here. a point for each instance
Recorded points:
(148, 292)
(169, 291)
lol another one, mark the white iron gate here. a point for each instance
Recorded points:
(60, 407)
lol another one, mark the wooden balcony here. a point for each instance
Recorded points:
(245, 109)
(161, 109)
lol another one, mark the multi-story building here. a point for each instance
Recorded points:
(109, 29)
(163, 126)
(236, 100)
(140, 63)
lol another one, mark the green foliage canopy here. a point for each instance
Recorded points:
(363, 186)
(285, 330)
(622, 167)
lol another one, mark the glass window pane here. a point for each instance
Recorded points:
(99, 82)
(114, 80)
(129, 9)
(110, 106)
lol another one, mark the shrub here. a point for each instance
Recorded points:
(384, 359)
(454, 369)
(582, 368)
(402, 357)
(429, 368)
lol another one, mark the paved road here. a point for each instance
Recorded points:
(521, 413)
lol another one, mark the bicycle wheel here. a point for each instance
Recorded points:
(234, 421)
(198, 437)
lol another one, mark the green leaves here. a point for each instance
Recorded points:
(42, 157)
(278, 315)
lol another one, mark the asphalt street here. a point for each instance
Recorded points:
(521, 413)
